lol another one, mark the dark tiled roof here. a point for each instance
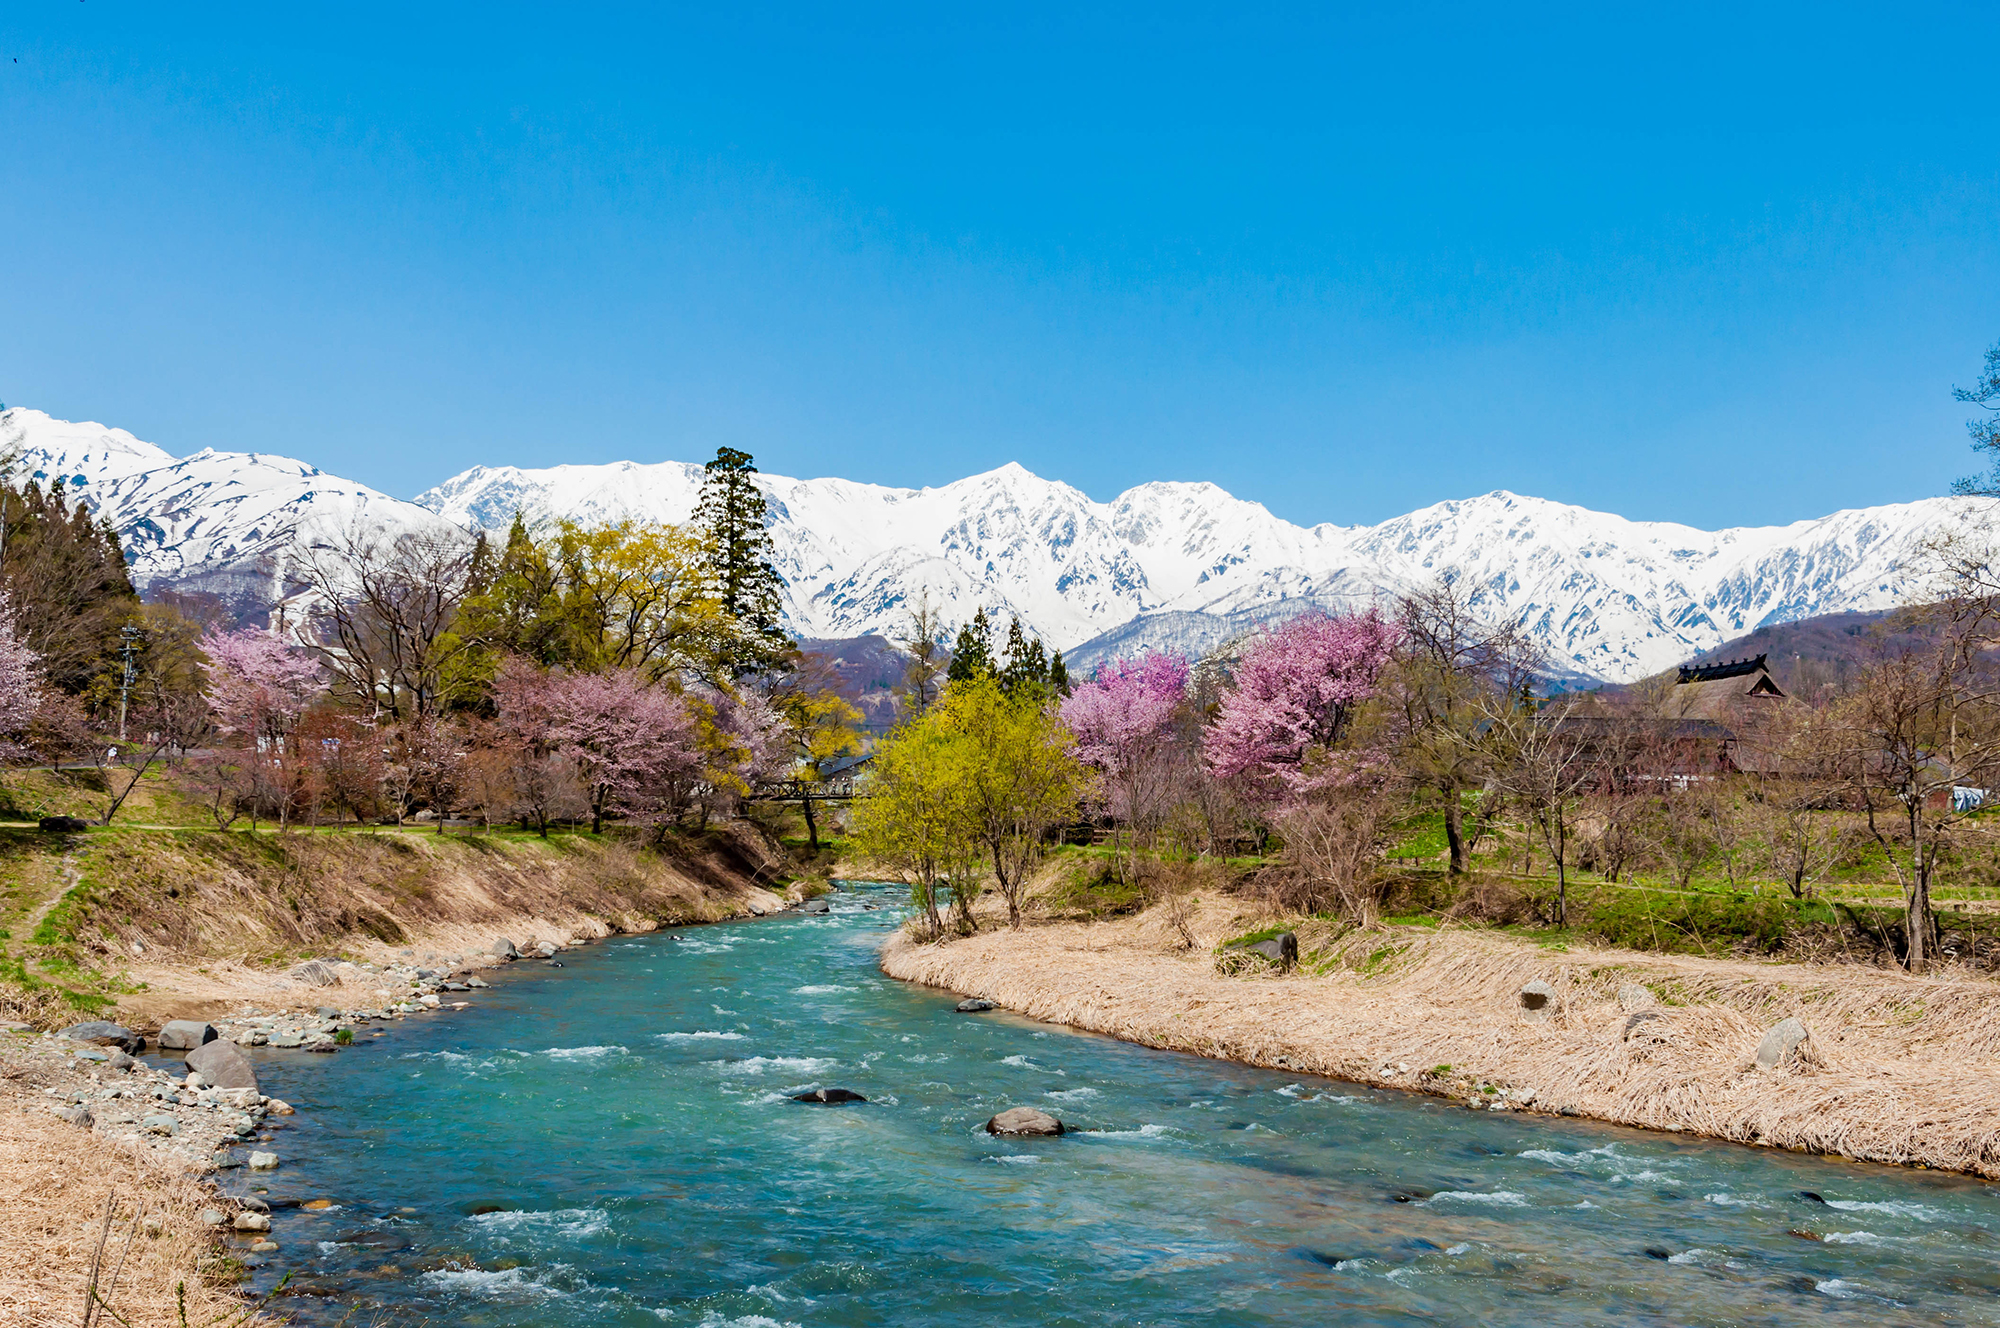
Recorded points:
(1735, 668)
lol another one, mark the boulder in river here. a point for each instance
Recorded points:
(1024, 1120)
(830, 1096)
(504, 949)
(103, 1033)
(220, 1063)
(972, 1005)
(186, 1034)
(815, 906)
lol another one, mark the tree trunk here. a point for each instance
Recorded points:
(812, 825)
(1917, 902)
(1454, 831)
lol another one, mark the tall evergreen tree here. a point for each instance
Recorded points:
(972, 654)
(66, 575)
(1027, 666)
(732, 514)
(1059, 675)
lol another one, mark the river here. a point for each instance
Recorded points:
(613, 1142)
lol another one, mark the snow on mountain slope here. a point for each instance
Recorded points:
(1163, 563)
(1609, 598)
(225, 522)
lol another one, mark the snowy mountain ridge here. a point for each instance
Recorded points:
(1165, 563)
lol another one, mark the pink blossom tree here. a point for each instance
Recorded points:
(1123, 720)
(629, 742)
(20, 680)
(259, 689)
(1297, 689)
(258, 686)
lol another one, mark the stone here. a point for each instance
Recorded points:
(101, 1033)
(252, 1221)
(429, 1002)
(327, 1047)
(504, 948)
(815, 906)
(213, 1217)
(221, 1064)
(1024, 1120)
(64, 825)
(1280, 950)
(263, 1162)
(264, 1247)
(186, 1034)
(1632, 996)
(162, 1124)
(1781, 1043)
(289, 1040)
(1537, 1001)
(276, 1107)
(477, 983)
(315, 974)
(120, 1061)
(829, 1095)
(95, 1054)
(972, 1005)
(328, 1012)
(77, 1115)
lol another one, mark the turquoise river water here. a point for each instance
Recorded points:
(612, 1143)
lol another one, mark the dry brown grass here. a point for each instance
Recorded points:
(1901, 1069)
(54, 1181)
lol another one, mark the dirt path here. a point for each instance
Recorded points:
(1897, 1069)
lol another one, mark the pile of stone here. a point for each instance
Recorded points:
(101, 1086)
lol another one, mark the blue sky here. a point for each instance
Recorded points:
(1684, 264)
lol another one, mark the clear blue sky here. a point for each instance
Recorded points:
(1719, 265)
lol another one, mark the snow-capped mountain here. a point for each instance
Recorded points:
(228, 523)
(1163, 564)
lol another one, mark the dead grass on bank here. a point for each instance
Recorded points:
(52, 1203)
(1899, 1069)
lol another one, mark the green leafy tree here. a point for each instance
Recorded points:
(732, 515)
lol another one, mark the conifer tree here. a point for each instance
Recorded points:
(732, 514)
(1059, 675)
(972, 654)
(1027, 668)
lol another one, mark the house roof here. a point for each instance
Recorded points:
(1735, 668)
(1722, 691)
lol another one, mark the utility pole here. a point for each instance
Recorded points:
(131, 634)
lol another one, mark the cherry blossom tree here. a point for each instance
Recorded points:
(20, 681)
(1123, 722)
(258, 688)
(629, 742)
(1297, 690)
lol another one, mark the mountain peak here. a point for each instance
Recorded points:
(1606, 597)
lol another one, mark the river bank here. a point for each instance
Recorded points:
(305, 941)
(1897, 1069)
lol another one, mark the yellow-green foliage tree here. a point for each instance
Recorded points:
(916, 816)
(823, 726)
(1022, 776)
